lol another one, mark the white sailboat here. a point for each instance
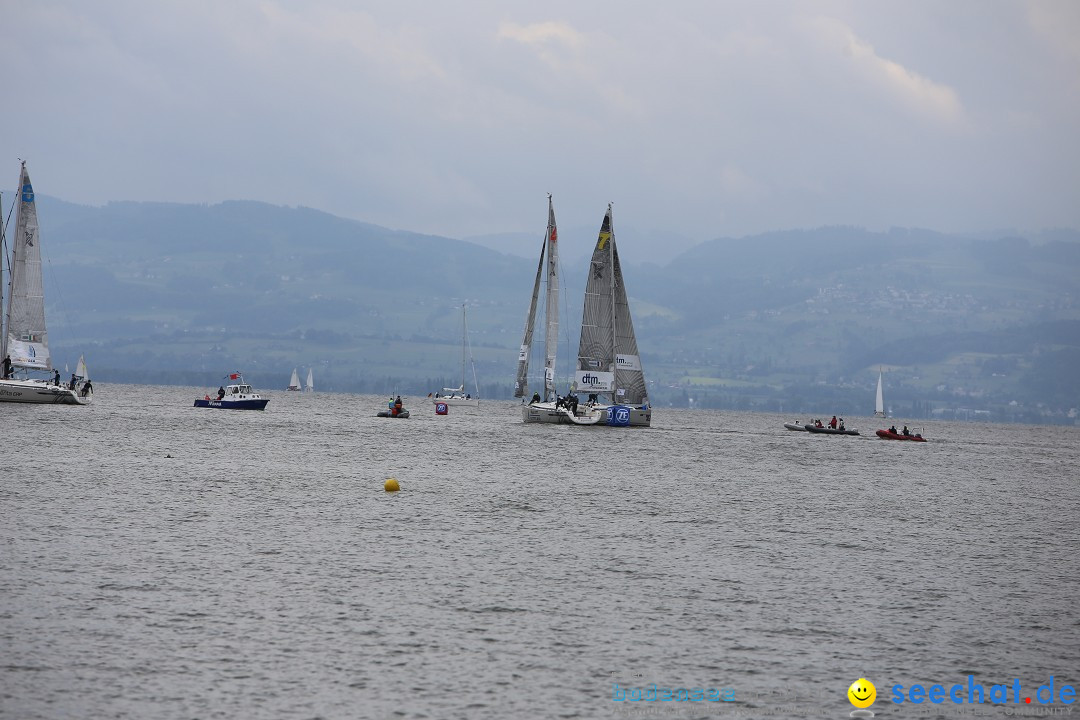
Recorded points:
(310, 385)
(542, 408)
(24, 345)
(879, 402)
(457, 396)
(294, 382)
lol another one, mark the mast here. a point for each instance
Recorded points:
(464, 338)
(476, 385)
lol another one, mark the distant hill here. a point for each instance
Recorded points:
(795, 320)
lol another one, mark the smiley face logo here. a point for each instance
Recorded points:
(862, 693)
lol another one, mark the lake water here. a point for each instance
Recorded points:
(523, 571)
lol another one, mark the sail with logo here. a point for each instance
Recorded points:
(609, 368)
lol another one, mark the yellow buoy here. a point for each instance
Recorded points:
(391, 485)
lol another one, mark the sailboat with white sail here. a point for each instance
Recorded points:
(24, 344)
(546, 407)
(458, 397)
(879, 401)
(294, 382)
(309, 386)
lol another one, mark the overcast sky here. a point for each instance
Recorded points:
(703, 119)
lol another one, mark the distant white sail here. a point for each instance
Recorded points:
(80, 369)
(294, 381)
(879, 402)
(310, 386)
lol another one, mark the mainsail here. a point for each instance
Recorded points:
(27, 340)
(310, 385)
(608, 361)
(550, 248)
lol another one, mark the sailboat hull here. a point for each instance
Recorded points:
(37, 392)
(612, 415)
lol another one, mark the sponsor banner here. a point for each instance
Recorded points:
(627, 362)
(594, 381)
(549, 376)
(618, 416)
(523, 353)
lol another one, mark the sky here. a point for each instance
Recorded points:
(697, 119)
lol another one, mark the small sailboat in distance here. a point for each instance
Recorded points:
(310, 385)
(879, 402)
(294, 382)
(457, 396)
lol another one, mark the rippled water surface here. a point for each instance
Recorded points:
(164, 561)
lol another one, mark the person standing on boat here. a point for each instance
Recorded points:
(56, 378)
(832, 423)
(7, 367)
(398, 406)
(220, 392)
